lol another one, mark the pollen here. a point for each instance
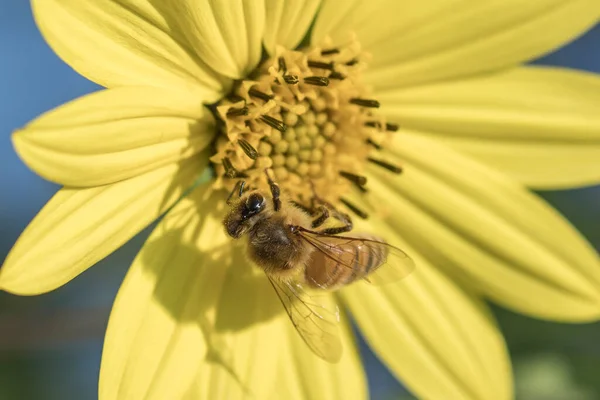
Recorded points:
(305, 115)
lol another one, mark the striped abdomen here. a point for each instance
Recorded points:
(338, 261)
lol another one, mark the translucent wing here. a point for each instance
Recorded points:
(315, 320)
(362, 255)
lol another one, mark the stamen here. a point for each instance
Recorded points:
(291, 79)
(248, 149)
(330, 51)
(257, 93)
(388, 126)
(321, 65)
(356, 179)
(390, 167)
(365, 102)
(375, 145)
(354, 209)
(236, 112)
(282, 66)
(273, 123)
(336, 75)
(352, 62)
(230, 170)
(234, 98)
(316, 80)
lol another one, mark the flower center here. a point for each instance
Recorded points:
(306, 116)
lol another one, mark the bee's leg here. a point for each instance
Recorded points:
(321, 218)
(274, 192)
(346, 227)
(239, 187)
(304, 208)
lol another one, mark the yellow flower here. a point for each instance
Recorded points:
(192, 319)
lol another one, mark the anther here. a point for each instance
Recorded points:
(230, 170)
(352, 62)
(390, 167)
(356, 179)
(282, 66)
(354, 209)
(365, 102)
(236, 112)
(330, 51)
(234, 98)
(388, 126)
(336, 75)
(316, 80)
(248, 149)
(291, 79)
(261, 95)
(375, 145)
(321, 65)
(273, 123)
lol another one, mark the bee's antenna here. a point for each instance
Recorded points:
(274, 191)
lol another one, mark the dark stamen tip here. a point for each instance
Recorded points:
(352, 62)
(390, 167)
(375, 145)
(248, 149)
(391, 127)
(365, 102)
(356, 179)
(316, 80)
(236, 112)
(274, 123)
(328, 52)
(282, 66)
(336, 75)
(291, 79)
(230, 171)
(261, 95)
(354, 209)
(321, 65)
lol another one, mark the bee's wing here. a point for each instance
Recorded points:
(313, 318)
(382, 263)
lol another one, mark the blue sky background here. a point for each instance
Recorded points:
(37, 358)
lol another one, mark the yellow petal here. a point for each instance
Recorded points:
(115, 134)
(302, 375)
(438, 339)
(191, 318)
(227, 35)
(114, 43)
(490, 232)
(79, 227)
(541, 126)
(414, 42)
(287, 22)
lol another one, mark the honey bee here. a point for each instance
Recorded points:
(288, 242)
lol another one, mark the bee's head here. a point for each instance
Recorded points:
(240, 218)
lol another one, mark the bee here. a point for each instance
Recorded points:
(300, 256)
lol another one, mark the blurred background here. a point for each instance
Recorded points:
(50, 345)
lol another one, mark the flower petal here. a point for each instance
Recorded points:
(439, 340)
(541, 126)
(227, 35)
(191, 318)
(115, 134)
(287, 22)
(414, 42)
(490, 232)
(117, 43)
(79, 227)
(302, 375)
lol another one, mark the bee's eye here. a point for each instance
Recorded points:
(254, 203)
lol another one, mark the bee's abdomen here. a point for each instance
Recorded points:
(345, 264)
